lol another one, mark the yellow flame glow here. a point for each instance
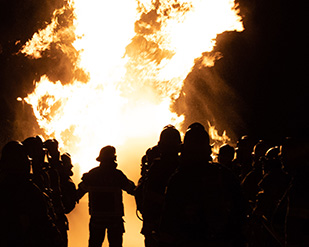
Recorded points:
(43, 38)
(137, 54)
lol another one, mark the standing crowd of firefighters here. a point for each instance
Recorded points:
(256, 194)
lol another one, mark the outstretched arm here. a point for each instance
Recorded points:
(126, 184)
(81, 191)
(129, 187)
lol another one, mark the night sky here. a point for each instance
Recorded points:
(258, 87)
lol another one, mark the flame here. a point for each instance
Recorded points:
(217, 139)
(137, 54)
(42, 40)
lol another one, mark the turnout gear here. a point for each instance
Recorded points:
(104, 185)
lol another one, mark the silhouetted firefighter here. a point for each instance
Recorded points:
(204, 205)
(151, 189)
(295, 156)
(68, 188)
(36, 151)
(146, 161)
(55, 165)
(243, 160)
(40, 176)
(281, 215)
(104, 185)
(250, 182)
(23, 210)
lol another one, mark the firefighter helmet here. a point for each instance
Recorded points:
(107, 153)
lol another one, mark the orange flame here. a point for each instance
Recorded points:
(217, 139)
(137, 54)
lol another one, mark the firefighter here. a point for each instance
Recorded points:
(252, 179)
(294, 154)
(54, 168)
(204, 205)
(146, 162)
(226, 157)
(23, 210)
(244, 159)
(40, 170)
(36, 151)
(156, 180)
(104, 185)
(269, 213)
(68, 188)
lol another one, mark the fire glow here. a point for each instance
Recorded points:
(136, 54)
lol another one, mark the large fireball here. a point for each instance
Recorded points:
(136, 55)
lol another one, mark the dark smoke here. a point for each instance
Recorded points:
(263, 70)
